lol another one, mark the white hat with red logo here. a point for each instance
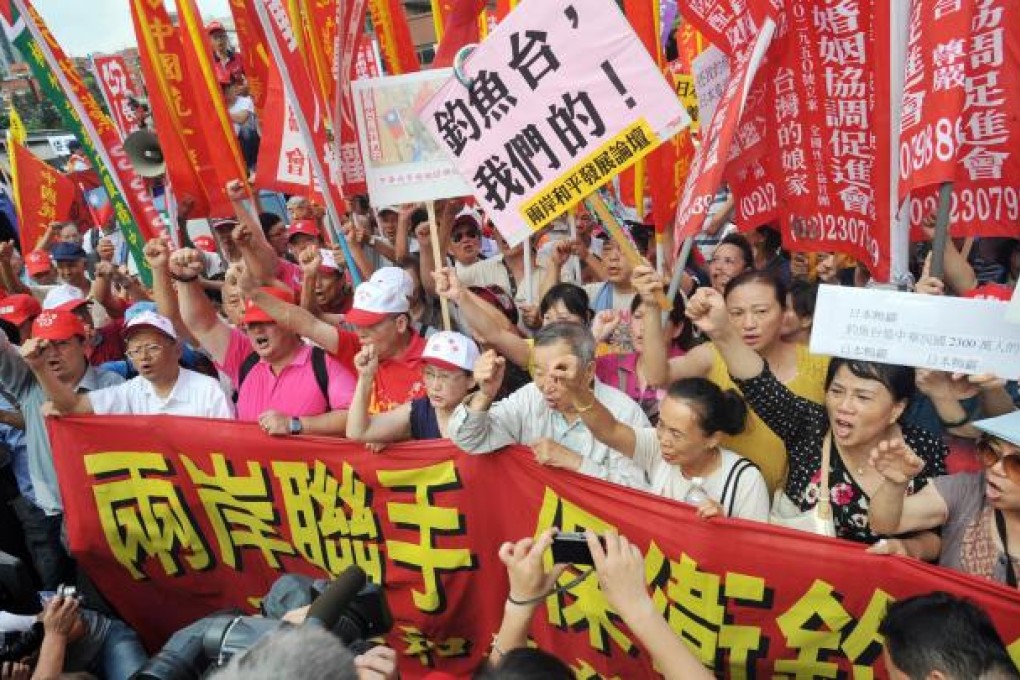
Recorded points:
(375, 301)
(451, 350)
(394, 276)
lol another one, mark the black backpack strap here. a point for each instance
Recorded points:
(246, 366)
(732, 483)
(321, 374)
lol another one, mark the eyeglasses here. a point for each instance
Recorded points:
(990, 455)
(461, 235)
(145, 351)
(669, 433)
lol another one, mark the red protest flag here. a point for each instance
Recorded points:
(318, 20)
(213, 123)
(959, 114)
(390, 22)
(283, 156)
(643, 16)
(186, 152)
(44, 195)
(460, 28)
(354, 60)
(112, 77)
(254, 56)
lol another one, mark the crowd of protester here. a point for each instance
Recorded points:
(715, 401)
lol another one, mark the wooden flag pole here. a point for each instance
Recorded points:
(626, 246)
(437, 258)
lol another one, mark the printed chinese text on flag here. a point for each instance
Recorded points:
(118, 91)
(61, 83)
(959, 119)
(827, 126)
(44, 195)
(353, 60)
(187, 151)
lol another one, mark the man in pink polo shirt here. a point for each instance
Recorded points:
(380, 315)
(285, 385)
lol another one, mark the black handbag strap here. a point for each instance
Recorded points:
(1000, 526)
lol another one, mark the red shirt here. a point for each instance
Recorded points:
(110, 346)
(230, 71)
(398, 379)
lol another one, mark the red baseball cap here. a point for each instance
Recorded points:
(57, 325)
(38, 262)
(255, 314)
(214, 27)
(306, 227)
(19, 308)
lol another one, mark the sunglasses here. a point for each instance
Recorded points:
(461, 235)
(991, 455)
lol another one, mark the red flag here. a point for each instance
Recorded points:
(186, 149)
(958, 121)
(283, 157)
(461, 28)
(394, 34)
(254, 56)
(353, 59)
(118, 91)
(212, 121)
(319, 20)
(44, 195)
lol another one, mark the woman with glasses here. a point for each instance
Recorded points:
(979, 512)
(449, 360)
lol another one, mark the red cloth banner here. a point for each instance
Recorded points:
(727, 24)
(253, 50)
(186, 150)
(959, 116)
(460, 27)
(827, 122)
(174, 518)
(211, 122)
(319, 21)
(353, 60)
(390, 22)
(689, 44)
(44, 195)
(118, 91)
(283, 156)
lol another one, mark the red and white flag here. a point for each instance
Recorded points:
(118, 91)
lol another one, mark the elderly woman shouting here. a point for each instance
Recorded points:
(863, 405)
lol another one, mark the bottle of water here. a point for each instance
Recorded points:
(696, 495)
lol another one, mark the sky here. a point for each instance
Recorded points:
(86, 26)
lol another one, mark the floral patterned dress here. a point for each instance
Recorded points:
(802, 425)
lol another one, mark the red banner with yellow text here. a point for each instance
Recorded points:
(44, 195)
(175, 518)
(394, 34)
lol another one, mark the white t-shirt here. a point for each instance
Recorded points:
(746, 495)
(194, 395)
(243, 104)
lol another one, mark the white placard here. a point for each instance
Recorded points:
(403, 163)
(958, 335)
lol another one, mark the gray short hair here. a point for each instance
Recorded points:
(293, 652)
(578, 337)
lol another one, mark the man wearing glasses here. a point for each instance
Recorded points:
(161, 387)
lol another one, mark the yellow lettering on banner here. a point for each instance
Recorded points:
(170, 64)
(240, 510)
(331, 523)
(813, 626)
(864, 643)
(1014, 652)
(144, 517)
(584, 607)
(160, 31)
(427, 519)
(177, 97)
(597, 168)
(584, 671)
(418, 644)
(745, 643)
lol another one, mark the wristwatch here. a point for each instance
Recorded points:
(295, 426)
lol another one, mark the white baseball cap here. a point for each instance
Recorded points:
(374, 301)
(64, 297)
(394, 276)
(451, 350)
(151, 320)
